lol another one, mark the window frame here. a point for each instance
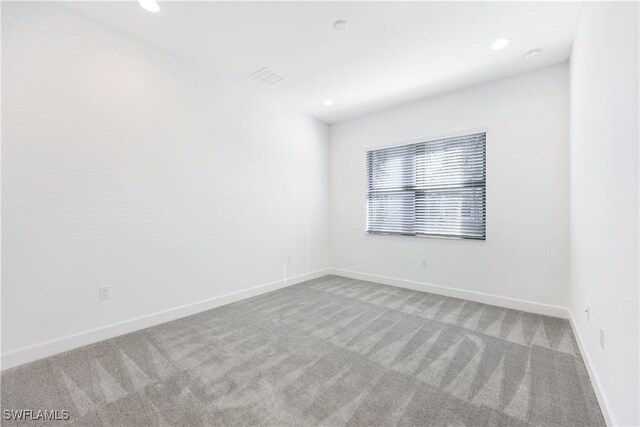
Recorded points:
(419, 141)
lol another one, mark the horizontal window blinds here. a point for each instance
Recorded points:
(434, 188)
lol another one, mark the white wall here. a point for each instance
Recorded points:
(604, 200)
(128, 167)
(525, 255)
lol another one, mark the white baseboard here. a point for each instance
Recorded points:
(48, 348)
(595, 381)
(517, 304)
(514, 303)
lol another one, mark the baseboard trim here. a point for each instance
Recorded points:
(37, 351)
(595, 380)
(34, 352)
(514, 303)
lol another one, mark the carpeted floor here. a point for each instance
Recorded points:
(331, 351)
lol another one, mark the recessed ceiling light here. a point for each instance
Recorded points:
(499, 44)
(340, 25)
(532, 54)
(149, 5)
(327, 102)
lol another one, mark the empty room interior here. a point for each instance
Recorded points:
(320, 213)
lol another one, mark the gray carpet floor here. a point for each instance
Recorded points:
(330, 351)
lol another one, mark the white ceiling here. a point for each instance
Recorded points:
(392, 52)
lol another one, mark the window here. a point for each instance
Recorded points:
(435, 188)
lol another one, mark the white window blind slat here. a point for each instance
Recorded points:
(434, 188)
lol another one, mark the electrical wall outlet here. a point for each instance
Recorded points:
(602, 338)
(424, 263)
(104, 292)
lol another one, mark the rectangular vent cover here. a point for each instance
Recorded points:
(267, 76)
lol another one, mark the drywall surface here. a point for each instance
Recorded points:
(525, 255)
(604, 201)
(126, 167)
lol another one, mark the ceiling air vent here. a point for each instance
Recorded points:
(267, 76)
